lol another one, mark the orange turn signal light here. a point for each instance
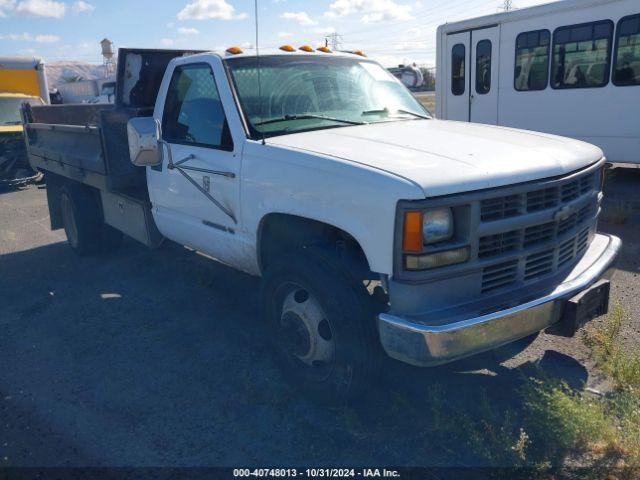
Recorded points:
(287, 48)
(412, 232)
(324, 49)
(234, 50)
(306, 48)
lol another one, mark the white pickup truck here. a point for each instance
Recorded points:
(371, 223)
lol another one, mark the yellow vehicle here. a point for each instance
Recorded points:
(22, 80)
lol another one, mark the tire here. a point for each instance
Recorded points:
(322, 325)
(82, 219)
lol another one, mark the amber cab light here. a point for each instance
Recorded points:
(287, 48)
(234, 50)
(306, 48)
(324, 49)
(412, 232)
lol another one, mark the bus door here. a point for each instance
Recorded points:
(471, 88)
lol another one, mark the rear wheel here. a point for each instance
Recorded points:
(82, 220)
(322, 325)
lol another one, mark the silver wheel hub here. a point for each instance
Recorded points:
(306, 330)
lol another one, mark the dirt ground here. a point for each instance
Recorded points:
(143, 358)
(428, 99)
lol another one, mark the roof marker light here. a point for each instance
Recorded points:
(287, 48)
(324, 49)
(234, 50)
(306, 48)
(359, 52)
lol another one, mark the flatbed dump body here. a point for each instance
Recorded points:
(87, 143)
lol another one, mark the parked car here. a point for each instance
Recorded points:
(371, 224)
(569, 68)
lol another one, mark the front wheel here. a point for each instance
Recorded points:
(322, 325)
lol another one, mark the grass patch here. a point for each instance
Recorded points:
(624, 367)
(533, 420)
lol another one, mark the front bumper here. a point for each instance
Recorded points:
(410, 340)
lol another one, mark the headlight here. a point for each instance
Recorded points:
(437, 225)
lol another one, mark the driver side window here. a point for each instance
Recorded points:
(193, 113)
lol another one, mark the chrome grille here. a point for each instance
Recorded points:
(539, 233)
(541, 199)
(500, 207)
(537, 264)
(492, 245)
(500, 275)
(497, 244)
(497, 208)
(560, 216)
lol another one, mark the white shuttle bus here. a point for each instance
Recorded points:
(570, 68)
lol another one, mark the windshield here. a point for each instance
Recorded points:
(301, 93)
(10, 109)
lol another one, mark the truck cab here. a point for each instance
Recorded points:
(373, 226)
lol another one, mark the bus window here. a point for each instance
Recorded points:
(483, 67)
(582, 55)
(532, 60)
(626, 70)
(457, 69)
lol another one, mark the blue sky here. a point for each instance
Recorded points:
(392, 31)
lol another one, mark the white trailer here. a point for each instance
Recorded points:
(571, 68)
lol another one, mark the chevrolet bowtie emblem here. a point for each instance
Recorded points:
(564, 213)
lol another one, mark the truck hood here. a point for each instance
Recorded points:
(445, 157)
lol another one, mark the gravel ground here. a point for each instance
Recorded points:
(158, 359)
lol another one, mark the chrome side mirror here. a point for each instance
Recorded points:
(143, 142)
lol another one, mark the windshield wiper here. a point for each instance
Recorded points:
(13, 122)
(385, 110)
(418, 115)
(284, 118)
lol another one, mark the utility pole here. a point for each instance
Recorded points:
(334, 39)
(507, 5)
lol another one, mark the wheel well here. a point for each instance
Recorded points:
(283, 233)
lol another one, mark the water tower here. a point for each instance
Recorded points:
(108, 57)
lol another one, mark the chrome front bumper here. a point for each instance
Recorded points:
(417, 343)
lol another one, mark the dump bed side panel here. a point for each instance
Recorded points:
(67, 135)
(121, 173)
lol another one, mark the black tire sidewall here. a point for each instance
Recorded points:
(346, 304)
(87, 217)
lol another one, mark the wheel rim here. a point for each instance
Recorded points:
(68, 218)
(306, 334)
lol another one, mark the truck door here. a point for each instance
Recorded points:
(195, 191)
(483, 98)
(457, 77)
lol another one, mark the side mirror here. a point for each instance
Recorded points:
(143, 142)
